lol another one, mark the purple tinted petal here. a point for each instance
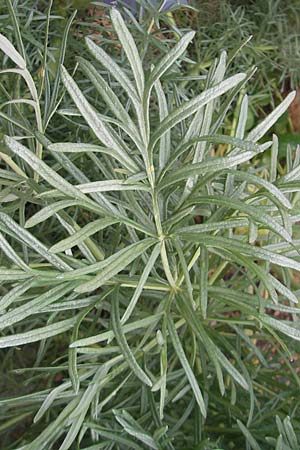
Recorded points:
(132, 4)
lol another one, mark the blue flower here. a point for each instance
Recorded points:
(133, 4)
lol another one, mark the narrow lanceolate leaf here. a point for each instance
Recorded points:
(191, 106)
(165, 141)
(110, 438)
(38, 334)
(81, 235)
(106, 93)
(132, 427)
(209, 166)
(11, 52)
(117, 264)
(70, 147)
(96, 267)
(203, 126)
(7, 249)
(258, 181)
(78, 415)
(283, 289)
(212, 226)
(233, 372)
(48, 211)
(203, 281)
(109, 335)
(74, 147)
(274, 159)
(214, 352)
(11, 227)
(241, 247)
(130, 49)
(141, 283)
(217, 139)
(111, 185)
(13, 274)
(185, 364)
(169, 59)
(261, 129)
(49, 434)
(122, 342)
(242, 122)
(86, 110)
(249, 438)
(15, 293)
(72, 353)
(250, 210)
(42, 169)
(280, 325)
(92, 118)
(114, 69)
(34, 306)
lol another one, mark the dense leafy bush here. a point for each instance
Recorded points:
(148, 259)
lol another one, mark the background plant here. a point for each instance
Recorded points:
(169, 256)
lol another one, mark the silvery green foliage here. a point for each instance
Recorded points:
(162, 272)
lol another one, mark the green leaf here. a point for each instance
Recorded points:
(193, 322)
(42, 169)
(109, 335)
(141, 283)
(292, 438)
(15, 293)
(92, 118)
(281, 325)
(8, 225)
(273, 190)
(283, 289)
(41, 442)
(261, 129)
(130, 49)
(11, 254)
(114, 265)
(48, 211)
(113, 436)
(77, 416)
(132, 427)
(112, 185)
(53, 104)
(246, 208)
(279, 443)
(107, 94)
(114, 69)
(203, 280)
(231, 369)
(165, 141)
(185, 364)
(250, 439)
(203, 125)
(122, 342)
(34, 306)
(191, 106)
(210, 166)
(213, 226)
(169, 59)
(81, 235)
(11, 52)
(241, 247)
(38, 334)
